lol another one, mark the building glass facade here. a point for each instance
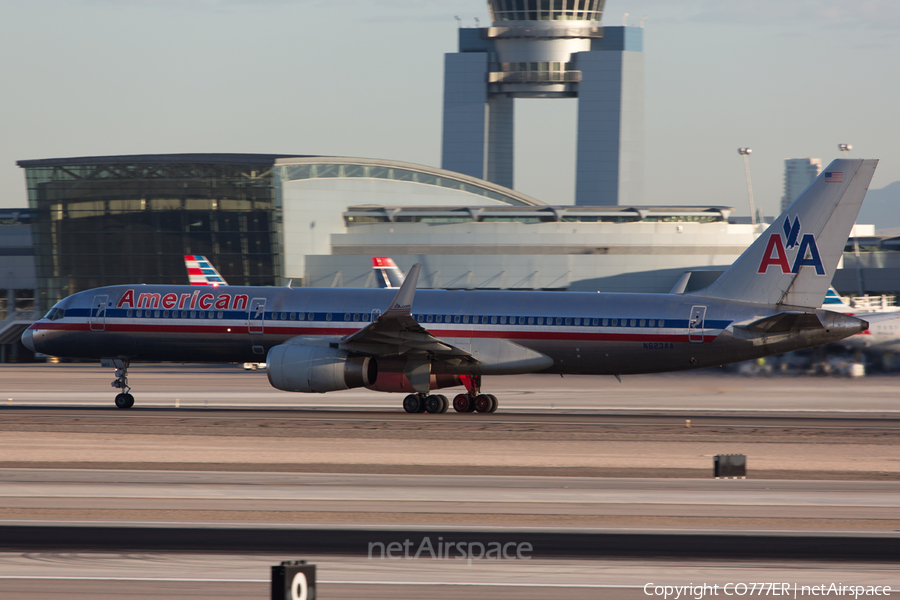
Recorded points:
(131, 219)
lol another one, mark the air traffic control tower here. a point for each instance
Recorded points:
(549, 49)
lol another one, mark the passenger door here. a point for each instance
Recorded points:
(98, 313)
(256, 316)
(696, 324)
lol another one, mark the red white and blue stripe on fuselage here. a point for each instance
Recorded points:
(539, 320)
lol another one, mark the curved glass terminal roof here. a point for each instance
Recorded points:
(546, 10)
(320, 167)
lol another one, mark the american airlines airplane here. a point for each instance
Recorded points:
(883, 334)
(320, 340)
(201, 271)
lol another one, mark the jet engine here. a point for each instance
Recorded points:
(298, 368)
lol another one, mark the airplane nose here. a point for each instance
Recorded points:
(28, 339)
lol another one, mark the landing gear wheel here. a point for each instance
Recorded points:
(434, 404)
(494, 402)
(445, 402)
(483, 403)
(413, 404)
(124, 400)
(462, 403)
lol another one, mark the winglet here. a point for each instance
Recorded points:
(402, 303)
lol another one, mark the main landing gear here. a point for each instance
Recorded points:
(483, 403)
(472, 401)
(419, 403)
(123, 399)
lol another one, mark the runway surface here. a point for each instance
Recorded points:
(162, 385)
(299, 500)
(179, 576)
(216, 448)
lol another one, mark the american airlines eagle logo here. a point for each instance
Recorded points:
(776, 253)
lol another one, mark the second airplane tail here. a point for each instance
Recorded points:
(793, 261)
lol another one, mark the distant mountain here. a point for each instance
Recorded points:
(882, 207)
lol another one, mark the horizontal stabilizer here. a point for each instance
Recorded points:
(780, 324)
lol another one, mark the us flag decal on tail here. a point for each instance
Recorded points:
(834, 177)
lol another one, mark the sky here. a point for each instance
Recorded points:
(787, 78)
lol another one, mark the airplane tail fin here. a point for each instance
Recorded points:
(793, 261)
(387, 273)
(201, 272)
(834, 302)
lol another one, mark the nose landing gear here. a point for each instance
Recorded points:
(123, 399)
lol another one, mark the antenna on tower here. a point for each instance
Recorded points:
(625, 20)
(458, 22)
(644, 18)
(477, 22)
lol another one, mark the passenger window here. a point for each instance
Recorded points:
(568, 321)
(465, 318)
(221, 315)
(301, 316)
(615, 322)
(293, 316)
(493, 320)
(129, 313)
(662, 323)
(312, 316)
(429, 318)
(633, 322)
(643, 323)
(356, 316)
(578, 321)
(193, 314)
(456, 319)
(439, 319)
(346, 316)
(156, 314)
(139, 313)
(605, 322)
(651, 323)
(540, 320)
(559, 321)
(327, 316)
(531, 320)
(284, 316)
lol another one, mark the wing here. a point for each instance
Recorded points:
(396, 332)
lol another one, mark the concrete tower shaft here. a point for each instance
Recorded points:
(548, 49)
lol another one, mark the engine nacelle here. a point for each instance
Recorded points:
(297, 368)
(398, 382)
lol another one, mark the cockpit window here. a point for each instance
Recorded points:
(55, 314)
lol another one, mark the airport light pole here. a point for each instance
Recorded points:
(845, 148)
(745, 152)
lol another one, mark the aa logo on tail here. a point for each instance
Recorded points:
(776, 254)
